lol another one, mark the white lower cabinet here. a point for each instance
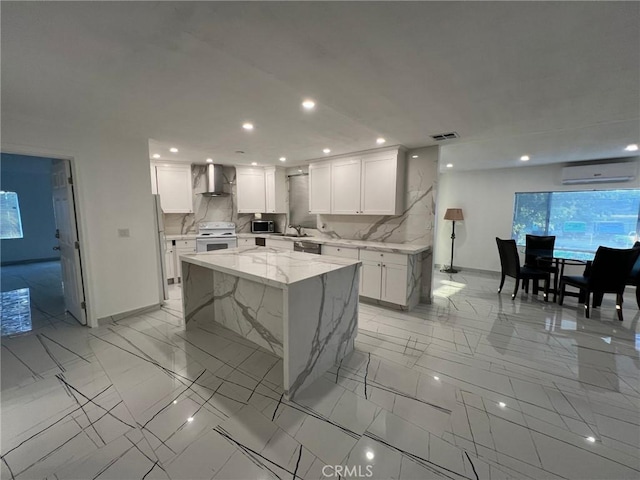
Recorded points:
(169, 261)
(384, 276)
(182, 247)
(246, 242)
(343, 252)
(278, 243)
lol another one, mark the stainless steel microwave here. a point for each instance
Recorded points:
(262, 226)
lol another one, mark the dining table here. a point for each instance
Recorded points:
(559, 259)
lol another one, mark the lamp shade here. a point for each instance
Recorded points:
(453, 214)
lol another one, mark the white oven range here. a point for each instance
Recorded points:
(216, 236)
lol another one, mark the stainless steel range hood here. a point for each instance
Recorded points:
(215, 180)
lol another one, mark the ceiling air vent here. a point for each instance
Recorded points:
(445, 136)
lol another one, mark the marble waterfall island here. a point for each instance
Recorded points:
(299, 306)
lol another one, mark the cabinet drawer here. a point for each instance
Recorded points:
(282, 244)
(344, 252)
(387, 257)
(184, 245)
(246, 242)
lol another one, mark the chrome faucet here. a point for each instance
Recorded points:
(298, 228)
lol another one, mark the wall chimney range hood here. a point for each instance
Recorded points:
(215, 180)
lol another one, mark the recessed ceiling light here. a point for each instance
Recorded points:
(591, 439)
(436, 377)
(156, 155)
(308, 104)
(254, 163)
(632, 147)
(300, 170)
(209, 160)
(380, 140)
(327, 150)
(173, 150)
(247, 126)
(175, 401)
(190, 419)
(283, 159)
(370, 455)
(414, 156)
(449, 165)
(502, 404)
(525, 158)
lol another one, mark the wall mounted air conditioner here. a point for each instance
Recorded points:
(602, 173)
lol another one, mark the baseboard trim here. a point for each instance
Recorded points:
(130, 313)
(437, 267)
(25, 262)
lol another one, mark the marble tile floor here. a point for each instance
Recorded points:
(474, 386)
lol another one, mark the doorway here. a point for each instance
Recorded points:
(41, 264)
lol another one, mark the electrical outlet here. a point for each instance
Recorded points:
(123, 232)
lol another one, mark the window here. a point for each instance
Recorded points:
(581, 221)
(10, 221)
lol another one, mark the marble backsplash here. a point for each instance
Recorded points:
(214, 209)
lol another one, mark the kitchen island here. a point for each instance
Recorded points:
(301, 307)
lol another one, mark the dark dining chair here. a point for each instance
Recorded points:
(510, 266)
(634, 276)
(608, 273)
(538, 254)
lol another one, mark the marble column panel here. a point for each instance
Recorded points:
(414, 268)
(321, 323)
(197, 294)
(251, 309)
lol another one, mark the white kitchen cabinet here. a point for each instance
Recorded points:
(345, 186)
(154, 179)
(250, 188)
(279, 243)
(169, 261)
(174, 188)
(343, 252)
(247, 242)
(385, 276)
(381, 184)
(261, 190)
(320, 187)
(182, 247)
(275, 180)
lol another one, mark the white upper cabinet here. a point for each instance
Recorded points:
(275, 180)
(345, 186)
(366, 184)
(381, 187)
(320, 187)
(261, 190)
(174, 188)
(250, 188)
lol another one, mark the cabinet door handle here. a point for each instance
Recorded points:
(378, 264)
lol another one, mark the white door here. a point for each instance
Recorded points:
(250, 187)
(68, 244)
(345, 186)
(370, 279)
(174, 188)
(394, 284)
(379, 185)
(270, 190)
(320, 187)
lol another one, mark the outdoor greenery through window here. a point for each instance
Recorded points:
(581, 221)
(10, 221)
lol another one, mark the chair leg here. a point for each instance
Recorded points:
(597, 299)
(619, 305)
(546, 289)
(536, 287)
(638, 295)
(501, 283)
(515, 290)
(562, 287)
(587, 297)
(525, 285)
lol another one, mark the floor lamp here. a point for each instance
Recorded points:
(455, 215)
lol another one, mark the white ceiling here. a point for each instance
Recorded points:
(559, 81)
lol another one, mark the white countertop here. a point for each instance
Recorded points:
(405, 248)
(181, 236)
(271, 266)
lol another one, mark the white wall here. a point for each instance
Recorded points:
(113, 188)
(487, 198)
